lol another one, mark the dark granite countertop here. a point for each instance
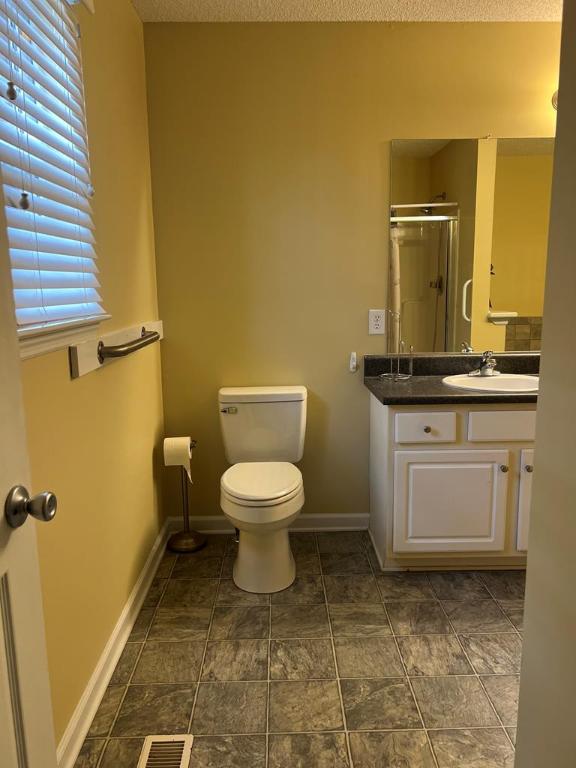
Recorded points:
(426, 386)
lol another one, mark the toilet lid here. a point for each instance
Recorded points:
(257, 480)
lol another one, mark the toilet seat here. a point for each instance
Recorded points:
(261, 483)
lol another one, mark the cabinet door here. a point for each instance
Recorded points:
(525, 499)
(450, 501)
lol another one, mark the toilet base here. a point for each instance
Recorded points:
(265, 562)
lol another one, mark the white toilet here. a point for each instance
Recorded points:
(263, 492)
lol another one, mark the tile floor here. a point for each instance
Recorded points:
(348, 667)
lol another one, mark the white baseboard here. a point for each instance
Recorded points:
(336, 522)
(79, 724)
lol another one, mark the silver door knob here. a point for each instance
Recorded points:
(19, 505)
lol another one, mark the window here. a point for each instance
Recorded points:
(45, 169)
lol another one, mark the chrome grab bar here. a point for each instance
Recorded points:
(121, 350)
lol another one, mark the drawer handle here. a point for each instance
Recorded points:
(427, 430)
(503, 468)
(529, 468)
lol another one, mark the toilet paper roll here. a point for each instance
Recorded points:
(178, 453)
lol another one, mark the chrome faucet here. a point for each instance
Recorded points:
(487, 365)
(466, 348)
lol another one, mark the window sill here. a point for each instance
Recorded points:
(48, 341)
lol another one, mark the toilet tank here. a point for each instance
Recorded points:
(263, 423)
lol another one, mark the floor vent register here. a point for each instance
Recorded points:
(166, 752)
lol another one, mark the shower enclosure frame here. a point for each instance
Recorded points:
(444, 212)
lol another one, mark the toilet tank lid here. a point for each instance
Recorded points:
(261, 394)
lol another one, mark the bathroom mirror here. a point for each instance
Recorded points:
(468, 243)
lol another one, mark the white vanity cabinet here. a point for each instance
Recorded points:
(450, 484)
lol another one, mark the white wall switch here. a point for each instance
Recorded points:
(376, 322)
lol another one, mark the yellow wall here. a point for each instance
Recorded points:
(410, 179)
(520, 239)
(270, 147)
(92, 440)
(454, 171)
(485, 335)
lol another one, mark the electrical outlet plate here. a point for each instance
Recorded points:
(376, 322)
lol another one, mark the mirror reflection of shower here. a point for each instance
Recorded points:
(423, 256)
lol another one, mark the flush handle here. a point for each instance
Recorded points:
(232, 409)
(19, 505)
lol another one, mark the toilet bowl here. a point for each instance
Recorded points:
(261, 500)
(262, 493)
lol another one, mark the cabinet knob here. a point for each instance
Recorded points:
(529, 468)
(427, 430)
(503, 468)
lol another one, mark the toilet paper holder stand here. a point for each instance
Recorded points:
(186, 540)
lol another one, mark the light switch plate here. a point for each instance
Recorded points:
(376, 322)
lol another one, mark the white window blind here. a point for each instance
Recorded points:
(45, 168)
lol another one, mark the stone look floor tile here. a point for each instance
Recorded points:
(477, 616)
(227, 567)
(304, 750)
(301, 660)
(307, 563)
(503, 692)
(342, 542)
(141, 625)
(160, 709)
(155, 593)
(90, 753)
(126, 664)
(303, 543)
(229, 708)
(169, 662)
(434, 655)
(184, 593)
(306, 590)
(368, 657)
(505, 585)
(405, 586)
(364, 619)
(166, 565)
(122, 753)
(180, 623)
(104, 717)
(238, 623)
(493, 654)
(189, 567)
(485, 747)
(396, 749)
(377, 704)
(453, 702)
(229, 752)
(300, 621)
(230, 594)
(336, 562)
(313, 705)
(217, 545)
(514, 609)
(458, 585)
(236, 660)
(411, 618)
(351, 588)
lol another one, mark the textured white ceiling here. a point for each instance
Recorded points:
(349, 10)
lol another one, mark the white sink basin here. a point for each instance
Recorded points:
(505, 382)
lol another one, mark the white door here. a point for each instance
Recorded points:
(450, 501)
(26, 730)
(525, 498)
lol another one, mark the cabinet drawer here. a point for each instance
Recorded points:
(425, 427)
(487, 426)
